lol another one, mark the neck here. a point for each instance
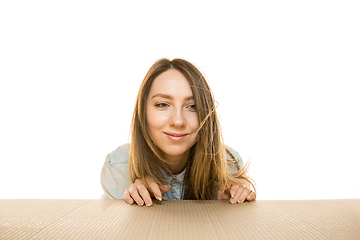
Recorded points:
(177, 163)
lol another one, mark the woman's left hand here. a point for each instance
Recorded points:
(236, 194)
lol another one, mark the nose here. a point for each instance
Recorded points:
(177, 119)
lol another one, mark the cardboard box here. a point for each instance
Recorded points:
(114, 219)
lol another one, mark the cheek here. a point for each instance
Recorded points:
(193, 122)
(156, 120)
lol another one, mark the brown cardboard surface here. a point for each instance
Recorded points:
(114, 219)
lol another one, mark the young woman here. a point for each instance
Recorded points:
(176, 150)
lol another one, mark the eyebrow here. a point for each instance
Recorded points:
(162, 95)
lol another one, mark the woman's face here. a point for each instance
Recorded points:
(171, 116)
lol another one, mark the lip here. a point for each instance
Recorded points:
(176, 137)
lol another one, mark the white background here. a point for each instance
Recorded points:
(285, 74)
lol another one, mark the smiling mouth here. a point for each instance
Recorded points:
(176, 137)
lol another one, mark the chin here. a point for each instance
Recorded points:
(175, 151)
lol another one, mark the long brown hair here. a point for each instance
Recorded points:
(207, 167)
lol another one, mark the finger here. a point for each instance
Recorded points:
(235, 193)
(145, 195)
(154, 188)
(234, 189)
(251, 196)
(164, 188)
(127, 197)
(246, 191)
(135, 195)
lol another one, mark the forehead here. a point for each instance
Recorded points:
(171, 82)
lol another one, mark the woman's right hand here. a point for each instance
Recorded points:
(138, 193)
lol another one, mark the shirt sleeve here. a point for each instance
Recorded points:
(115, 177)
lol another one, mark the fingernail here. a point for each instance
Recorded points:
(232, 201)
(148, 204)
(249, 198)
(158, 198)
(241, 200)
(141, 203)
(232, 193)
(130, 201)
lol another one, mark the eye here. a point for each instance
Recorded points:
(192, 107)
(162, 105)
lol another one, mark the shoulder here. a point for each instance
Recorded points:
(115, 177)
(120, 155)
(231, 154)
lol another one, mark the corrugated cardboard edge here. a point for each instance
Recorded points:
(114, 219)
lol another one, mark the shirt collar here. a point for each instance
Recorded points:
(175, 177)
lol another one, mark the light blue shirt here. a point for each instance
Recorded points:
(115, 177)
